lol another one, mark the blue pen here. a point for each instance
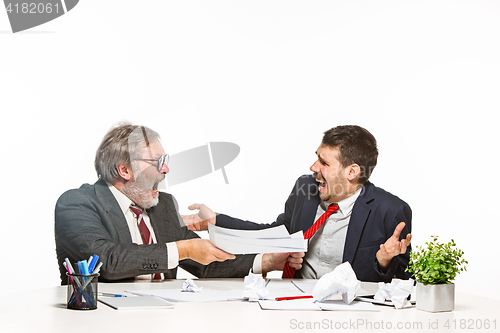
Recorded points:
(111, 295)
(80, 267)
(85, 267)
(93, 262)
(87, 288)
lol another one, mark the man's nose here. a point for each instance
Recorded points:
(164, 169)
(314, 167)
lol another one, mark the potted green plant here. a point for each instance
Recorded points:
(434, 268)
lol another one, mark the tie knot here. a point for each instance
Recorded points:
(332, 208)
(136, 210)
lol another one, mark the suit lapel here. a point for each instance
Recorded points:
(166, 210)
(308, 213)
(113, 212)
(360, 213)
(160, 229)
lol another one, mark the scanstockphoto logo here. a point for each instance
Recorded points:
(26, 14)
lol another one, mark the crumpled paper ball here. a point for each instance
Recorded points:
(190, 286)
(397, 292)
(342, 280)
(254, 287)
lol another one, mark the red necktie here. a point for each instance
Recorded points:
(289, 272)
(145, 233)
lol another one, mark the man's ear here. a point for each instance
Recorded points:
(124, 171)
(354, 171)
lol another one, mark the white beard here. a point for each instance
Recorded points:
(140, 196)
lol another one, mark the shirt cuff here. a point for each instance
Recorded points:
(257, 264)
(173, 255)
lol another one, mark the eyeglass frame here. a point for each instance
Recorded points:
(162, 160)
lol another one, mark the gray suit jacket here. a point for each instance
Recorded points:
(89, 221)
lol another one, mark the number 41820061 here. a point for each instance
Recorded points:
(32, 8)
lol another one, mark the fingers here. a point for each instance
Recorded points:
(405, 243)
(193, 227)
(195, 207)
(398, 229)
(202, 251)
(297, 255)
(397, 248)
(295, 259)
(220, 255)
(190, 221)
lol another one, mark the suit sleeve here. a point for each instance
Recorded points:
(82, 230)
(400, 262)
(284, 218)
(169, 227)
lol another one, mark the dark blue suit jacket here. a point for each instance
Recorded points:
(375, 215)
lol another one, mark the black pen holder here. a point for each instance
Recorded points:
(82, 291)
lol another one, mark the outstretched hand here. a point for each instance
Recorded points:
(392, 247)
(200, 220)
(202, 251)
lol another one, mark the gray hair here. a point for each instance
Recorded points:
(120, 145)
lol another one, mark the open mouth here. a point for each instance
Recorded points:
(322, 184)
(156, 184)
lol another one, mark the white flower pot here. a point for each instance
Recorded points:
(435, 297)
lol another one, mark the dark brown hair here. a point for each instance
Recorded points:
(356, 145)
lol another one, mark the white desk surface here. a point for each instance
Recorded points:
(45, 310)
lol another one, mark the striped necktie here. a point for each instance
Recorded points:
(289, 272)
(147, 238)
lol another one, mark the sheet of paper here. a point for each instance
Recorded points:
(206, 295)
(306, 285)
(270, 240)
(274, 232)
(136, 303)
(370, 299)
(298, 304)
(341, 306)
(282, 288)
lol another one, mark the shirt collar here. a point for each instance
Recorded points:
(346, 205)
(123, 201)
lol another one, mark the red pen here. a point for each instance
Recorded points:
(292, 297)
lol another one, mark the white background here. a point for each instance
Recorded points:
(270, 76)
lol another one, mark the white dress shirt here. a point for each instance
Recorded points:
(326, 246)
(124, 202)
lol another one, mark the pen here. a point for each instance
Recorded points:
(80, 268)
(72, 271)
(93, 262)
(292, 297)
(74, 286)
(85, 267)
(111, 295)
(97, 269)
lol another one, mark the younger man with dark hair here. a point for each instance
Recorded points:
(364, 225)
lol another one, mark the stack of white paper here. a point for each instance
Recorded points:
(271, 240)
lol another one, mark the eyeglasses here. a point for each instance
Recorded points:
(162, 160)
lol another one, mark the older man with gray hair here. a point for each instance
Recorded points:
(135, 229)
